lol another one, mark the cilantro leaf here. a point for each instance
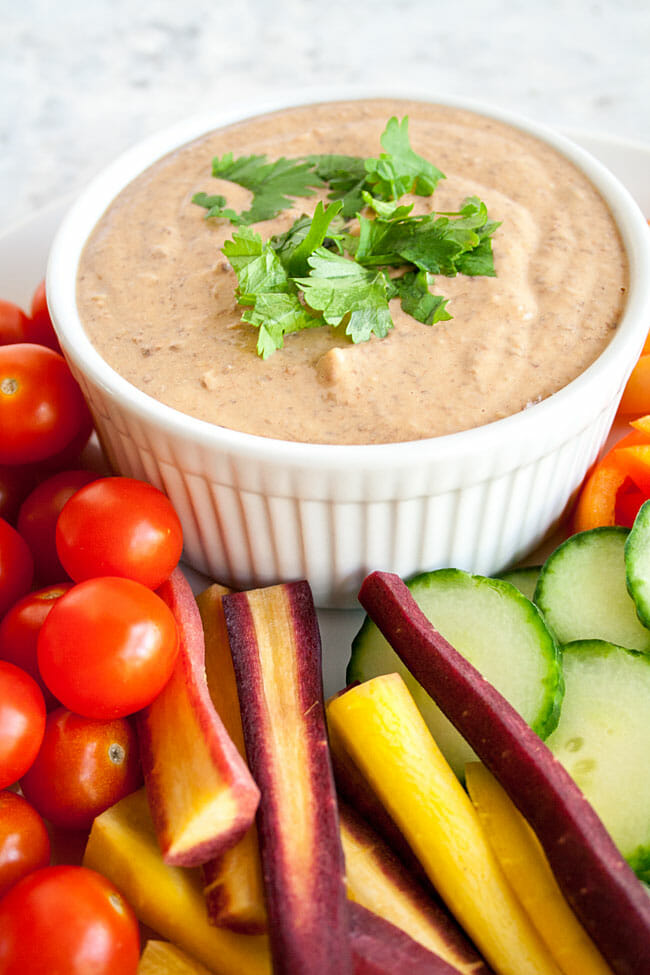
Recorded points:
(276, 315)
(343, 290)
(478, 261)
(215, 205)
(303, 237)
(272, 185)
(446, 243)
(417, 300)
(346, 176)
(257, 266)
(387, 210)
(399, 169)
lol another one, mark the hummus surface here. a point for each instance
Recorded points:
(157, 296)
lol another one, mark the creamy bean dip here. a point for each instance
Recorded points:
(157, 296)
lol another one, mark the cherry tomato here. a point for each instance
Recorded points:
(119, 526)
(16, 566)
(41, 406)
(15, 484)
(40, 328)
(66, 920)
(38, 516)
(24, 840)
(13, 323)
(22, 722)
(83, 767)
(68, 457)
(19, 631)
(108, 647)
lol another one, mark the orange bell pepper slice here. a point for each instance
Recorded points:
(618, 484)
(597, 500)
(636, 395)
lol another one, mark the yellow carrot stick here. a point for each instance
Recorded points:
(163, 958)
(123, 846)
(387, 738)
(523, 861)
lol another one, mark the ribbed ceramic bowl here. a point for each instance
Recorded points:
(256, 511)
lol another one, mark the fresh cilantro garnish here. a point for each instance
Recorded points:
(417, 300)
(296, 245)
(265, 289)
(320, 271)
(276, 315)
(343, 290)
(399, 169)
(439, 244)
(272, 185)
(257, 266)
(346, 176)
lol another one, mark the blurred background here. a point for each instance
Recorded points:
(80, 80)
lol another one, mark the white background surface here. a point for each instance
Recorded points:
(80, 80)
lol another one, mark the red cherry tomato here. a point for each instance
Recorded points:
(83, 767)
(19, 631)
(15, 484)
(13, 323)
(24, 840)
(16, 566)
(67, 920)
(108, 647)
(69, 457)
(40, 328)
(22, 722)
(38, 516)
(119, 526)
(41, 406)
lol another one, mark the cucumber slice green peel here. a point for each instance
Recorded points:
(497, 629)
(524, 578)
(582, 591)
(637, 563)
(603, 740)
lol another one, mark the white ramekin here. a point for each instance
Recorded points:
(256, 511)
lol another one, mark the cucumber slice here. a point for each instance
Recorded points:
(637, 563)
(582, 591)
(524, 579)
(603, 740)
(499, 631)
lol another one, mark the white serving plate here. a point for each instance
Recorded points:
(23, 257)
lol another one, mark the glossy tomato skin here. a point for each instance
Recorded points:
(108, 647)
(40, 328)
(24, 840)
(22, 722)
(83, 767)
(16, 482)
(66, 920)
(16, 566)
(38, 516)
(119, 526)
(19, 629)
(41, 406)
(13, 323)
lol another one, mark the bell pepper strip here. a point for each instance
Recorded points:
(597, 500)
(636, 395)
(618, 484)
(642, 425)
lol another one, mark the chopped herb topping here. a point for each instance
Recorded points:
(320, 272)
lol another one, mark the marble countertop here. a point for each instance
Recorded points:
(80, 82)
